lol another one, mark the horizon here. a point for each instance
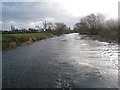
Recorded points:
(22, 15)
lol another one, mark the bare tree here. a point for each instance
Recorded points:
(12, 27)
(44, 25)
(39, 28)
(81, 27)
(92, 22)
(111, 26)
(60, 28)
(49, 26)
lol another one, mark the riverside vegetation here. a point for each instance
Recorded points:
(14, 40)
(98, 27)
(15, 37)
(93, 25)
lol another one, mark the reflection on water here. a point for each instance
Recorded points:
(70, 60)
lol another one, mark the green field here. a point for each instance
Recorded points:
(13, 40)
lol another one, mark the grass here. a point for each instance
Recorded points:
(21, 38)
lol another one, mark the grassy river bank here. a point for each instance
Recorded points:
(14, 40)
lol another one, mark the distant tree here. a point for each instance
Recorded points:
(12, 27)
(60, 28)
(90, 24)
(69, 28)
(96, 24)
(49, 27)
(39, 29)
(44, 25)
(111, 26)
(81, 27)
(91, 21)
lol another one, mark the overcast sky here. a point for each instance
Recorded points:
(24, 14)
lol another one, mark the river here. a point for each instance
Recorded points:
(69, 60)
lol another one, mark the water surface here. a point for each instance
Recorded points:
(70, 60)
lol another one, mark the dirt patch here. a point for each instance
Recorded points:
(12, 44)
(26, 43)
(23, 41)
(34, 39)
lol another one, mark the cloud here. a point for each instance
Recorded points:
(29, 0)
(28, 12)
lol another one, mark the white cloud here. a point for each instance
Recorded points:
(27, 13)
(84, 7)
(34, 24)
(0, 22)
(27, 0)
(49, 19)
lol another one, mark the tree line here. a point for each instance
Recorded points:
(55, 28)
(97, 24)
(92, 24)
